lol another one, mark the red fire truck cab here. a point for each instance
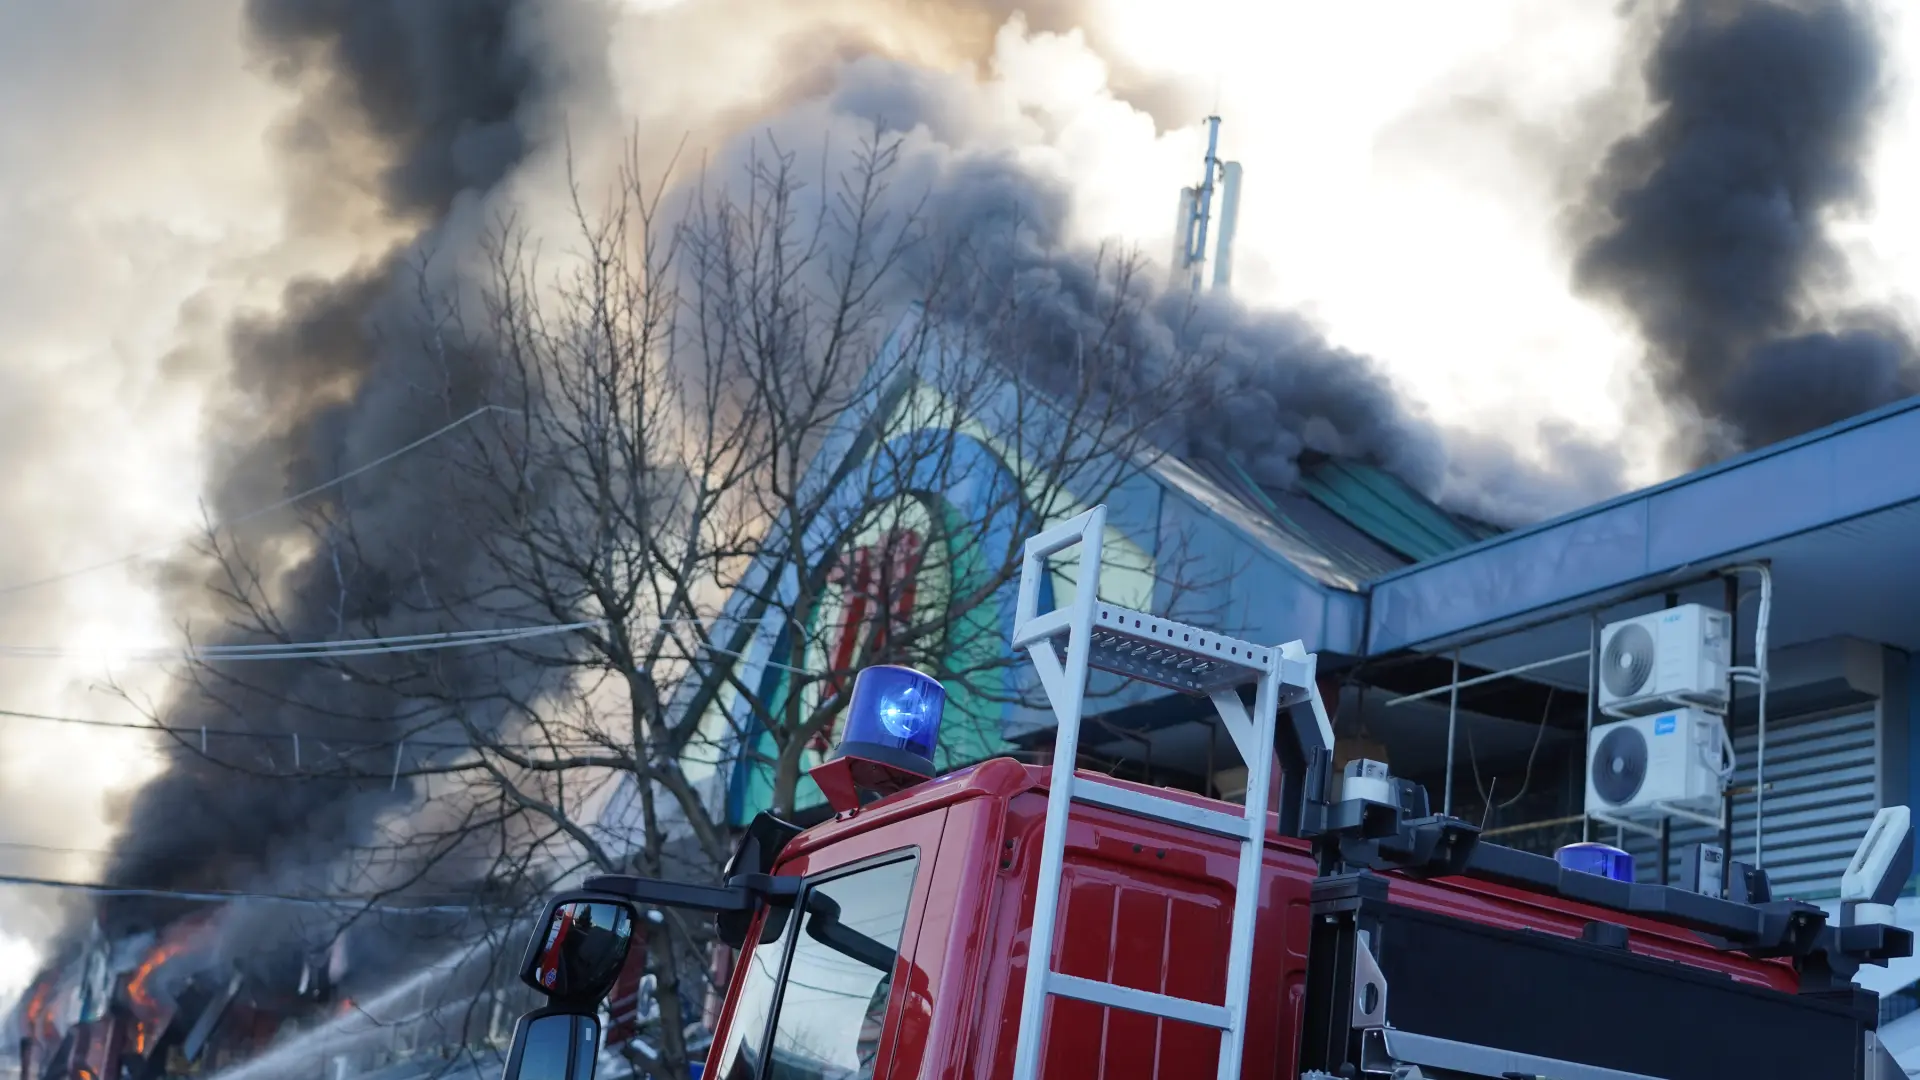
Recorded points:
(1378, 939)
(944, 878)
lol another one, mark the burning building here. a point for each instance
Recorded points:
(179, 1001)
(245, 991)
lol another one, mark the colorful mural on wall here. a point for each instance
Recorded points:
(919, 549)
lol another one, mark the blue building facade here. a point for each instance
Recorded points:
(1198, 539)
(1463, 654)
(1397, 594)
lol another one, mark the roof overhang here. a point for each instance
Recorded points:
(1835, 514)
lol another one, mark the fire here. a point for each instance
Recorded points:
(149, 1014)
(142, 1035)
(38, 1022)
(137, 982)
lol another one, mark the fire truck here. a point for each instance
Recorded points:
(1331, 926)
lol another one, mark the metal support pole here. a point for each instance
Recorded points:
(1593, 698)
(1453, 720)
(1756, 673)
(1760, 724)
(1491, 676)
(1666, 822)
(1731, 584)
(1213, 738)
(1666, 847)
(1359, 727)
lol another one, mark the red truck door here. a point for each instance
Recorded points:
(1145, 905)
(830, 990)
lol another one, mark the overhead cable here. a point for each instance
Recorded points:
(305, 650)
(225, 897)
(291, 500)
(321, 650)
(318, 739)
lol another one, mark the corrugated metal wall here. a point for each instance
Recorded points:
(1821, 796)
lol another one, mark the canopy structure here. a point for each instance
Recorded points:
(1833, 520)
(1397, 595)
(1835, 515)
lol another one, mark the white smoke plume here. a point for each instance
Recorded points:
(130, 205)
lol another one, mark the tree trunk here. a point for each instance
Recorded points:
(666, 995)
(666, 952)
(661, 767)
(786, 778)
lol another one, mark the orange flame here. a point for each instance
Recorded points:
(38, 1021)
(137, 983)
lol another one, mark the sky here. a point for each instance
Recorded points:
(1409, 172)
(1412, 225)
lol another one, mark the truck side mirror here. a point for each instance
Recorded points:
(577, 952)
(756, 852)
(553, 1044)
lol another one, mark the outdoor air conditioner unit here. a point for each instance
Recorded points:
(1648, 767)
(1666, 659)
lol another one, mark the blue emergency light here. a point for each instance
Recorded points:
(1604, 860)
(894, 718)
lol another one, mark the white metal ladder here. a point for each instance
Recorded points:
(1178, 657)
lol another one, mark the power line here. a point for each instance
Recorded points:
(312, 650)
(416, 444)
(226, 897)
(399, 639)
(321, 650)
(54, 849)
(22, 845)
(319, 739)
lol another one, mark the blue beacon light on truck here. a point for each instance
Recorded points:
(1604, 860)
(894, 718)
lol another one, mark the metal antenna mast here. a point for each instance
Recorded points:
(1196, 214)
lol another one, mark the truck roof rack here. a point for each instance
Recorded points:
(1189, 659)
(1389, 826)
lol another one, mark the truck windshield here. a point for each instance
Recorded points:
(823, 1016)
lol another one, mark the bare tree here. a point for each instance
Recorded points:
(727, 441)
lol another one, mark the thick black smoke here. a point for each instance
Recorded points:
(1272, 386)
(412, 117)
(1717, 240)
(406, 110)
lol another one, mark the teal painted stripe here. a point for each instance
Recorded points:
(1273, 509)
(1379, 505)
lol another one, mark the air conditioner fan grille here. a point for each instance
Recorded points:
(1619, 764)
(1627, 662)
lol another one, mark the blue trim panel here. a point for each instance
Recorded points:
(1845, 471)
(1912, 720)
(1886, 445)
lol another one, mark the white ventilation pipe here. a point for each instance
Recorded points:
(1755, 674)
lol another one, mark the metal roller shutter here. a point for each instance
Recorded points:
(1821, 796)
